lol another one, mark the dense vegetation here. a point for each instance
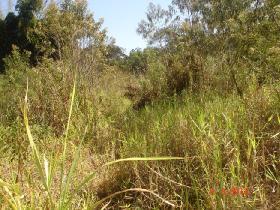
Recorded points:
(190, 122)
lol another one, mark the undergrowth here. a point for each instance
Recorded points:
(229, 147)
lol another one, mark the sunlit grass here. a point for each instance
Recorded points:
(184, 152)
(46, 170)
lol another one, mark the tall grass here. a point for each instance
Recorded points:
(46, 170)
(204, 151)
(226, 148)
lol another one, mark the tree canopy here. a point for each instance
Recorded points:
(50, 30)
(242, 33)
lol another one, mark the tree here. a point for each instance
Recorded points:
(57, 33)
(138, 60)
(2, 39)
(79, 8)
(26, 12)
(15, 27)
(9, 36)
(115, 55)
(10, 5)
(240, 33)
(184, 44)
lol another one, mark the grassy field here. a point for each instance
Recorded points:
(94, 151)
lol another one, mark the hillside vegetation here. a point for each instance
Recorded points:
(190, 122)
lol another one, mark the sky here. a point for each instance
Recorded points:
(121, 18)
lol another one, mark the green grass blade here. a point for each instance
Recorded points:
(72, 171)
(35, 152)
(144, 159)
(63, 183)
(70, 109)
